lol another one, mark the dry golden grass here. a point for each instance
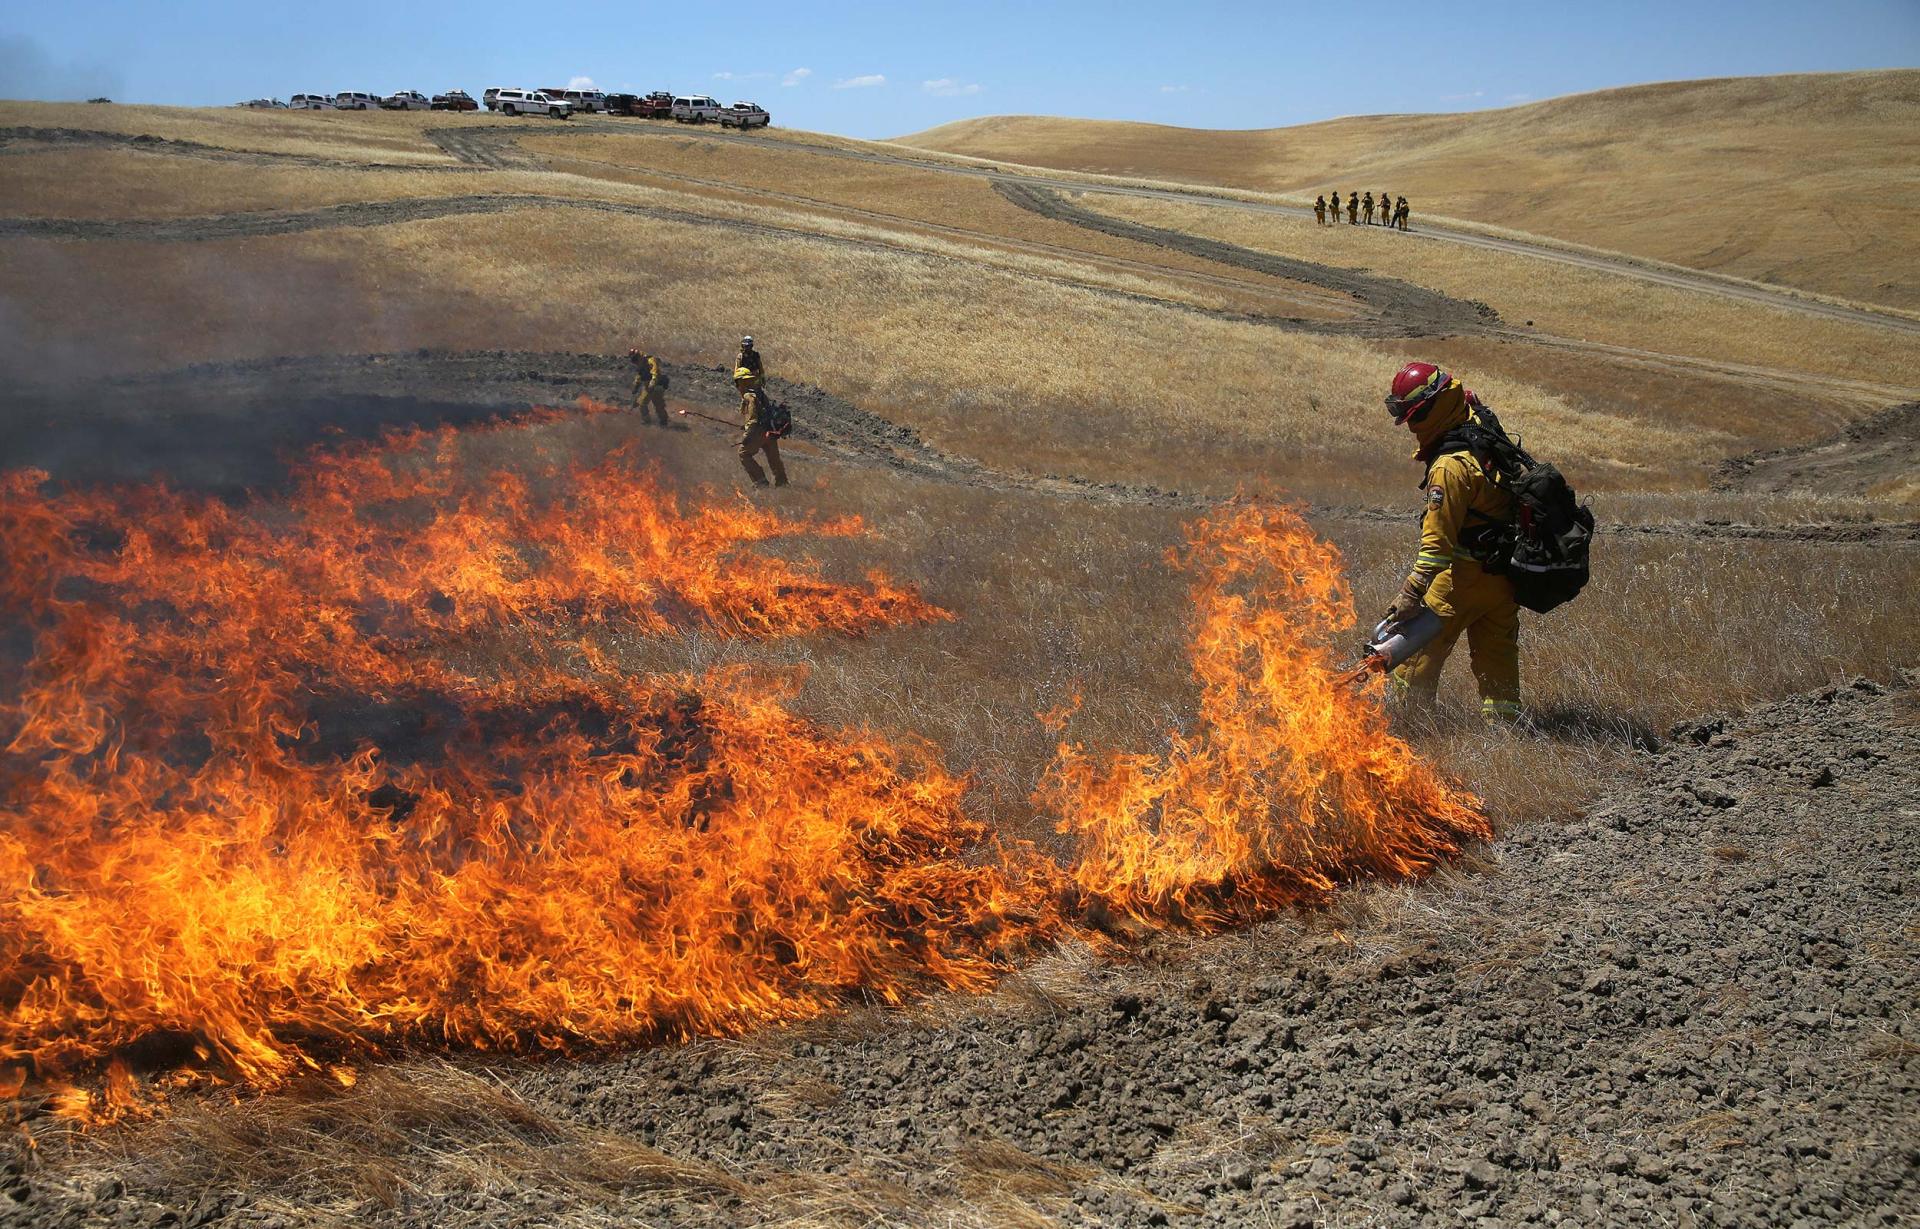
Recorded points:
(375, 136)
(1566, 300)
(1029, 386)
(1800, 180)
(896, 196)
(124, 183)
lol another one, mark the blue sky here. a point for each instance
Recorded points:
(883, 69)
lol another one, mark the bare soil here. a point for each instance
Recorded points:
(1869, 455)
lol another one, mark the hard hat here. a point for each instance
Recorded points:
(1414, 388)
(747, 342)
(742, 373)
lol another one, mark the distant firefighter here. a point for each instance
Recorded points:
(1386, 211)
(1400, 213)
(749, 358)
(1320, 210)
(649, 385)
(1353, 209)
(759, 434)
(1366, 209)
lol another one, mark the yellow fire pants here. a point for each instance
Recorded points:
(1480, 605)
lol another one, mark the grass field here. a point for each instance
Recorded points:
(1021, 349)
(1804, 181)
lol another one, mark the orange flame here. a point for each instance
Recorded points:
(1289, 783)
(249, 805)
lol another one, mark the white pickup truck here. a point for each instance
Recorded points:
(745, 115)
(696, 109)
(529, 102)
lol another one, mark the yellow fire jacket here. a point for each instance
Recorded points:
(1461, 497)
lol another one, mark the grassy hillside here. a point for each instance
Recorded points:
(1805, 181)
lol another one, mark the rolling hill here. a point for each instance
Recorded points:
(1807, 181)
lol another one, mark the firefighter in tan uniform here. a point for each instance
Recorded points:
(754, 436)
(1465, 511)
(649, 385)
(1320, 210)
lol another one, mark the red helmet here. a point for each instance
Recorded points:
(1414, 388)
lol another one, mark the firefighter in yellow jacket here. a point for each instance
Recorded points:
(649, 385)
(1465, 511)
(755, 436)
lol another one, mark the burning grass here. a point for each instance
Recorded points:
(257, 821)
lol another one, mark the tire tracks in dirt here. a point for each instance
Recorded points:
(1413, 310)
(23, 141)
(207, 228)
(1621, 264)
(1442, 313)
(497, 383)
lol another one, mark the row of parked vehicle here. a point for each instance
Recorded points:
(557, 103)
(660, 104)
(359, 100)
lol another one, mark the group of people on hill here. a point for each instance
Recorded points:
(1360, 210)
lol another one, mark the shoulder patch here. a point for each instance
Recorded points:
(1436, 495)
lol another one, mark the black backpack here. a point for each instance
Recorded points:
(1543, 549)
(771, 416)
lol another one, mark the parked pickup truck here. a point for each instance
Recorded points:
(587, 101)
(531, 102)
(696, 108)
(312, 102)
(406, 100)
(455, 100)
(657, 105)
(744, 115)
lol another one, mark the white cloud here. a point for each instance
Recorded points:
(580, 83)
(741, 76)
(860, 83)
(1175, 89)
(796, 76)
(947, 87)
(1463, 97)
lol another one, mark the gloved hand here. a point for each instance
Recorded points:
(1410, 603)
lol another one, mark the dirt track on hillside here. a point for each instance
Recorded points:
(229, 426)
(1691, 1006)
(1415, 309)
(22, 140)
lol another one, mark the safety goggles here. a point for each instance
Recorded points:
(1412, 409)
